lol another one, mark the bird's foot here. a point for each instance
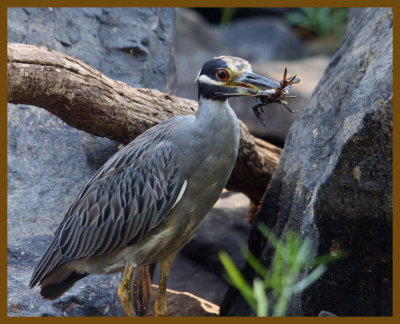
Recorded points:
(140, 289)
(124, 291)
(160, 307)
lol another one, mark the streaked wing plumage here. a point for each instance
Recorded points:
(127, 197)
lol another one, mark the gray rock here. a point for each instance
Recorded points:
(262, 39)
(196, 41)
(334, 182)
(194, 33)
(48, 164)
(132, 45)
(326, 314)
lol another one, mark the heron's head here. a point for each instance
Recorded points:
(227, 76)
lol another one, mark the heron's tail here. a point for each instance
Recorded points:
(53, 290)
(51, 275)
(49, 261)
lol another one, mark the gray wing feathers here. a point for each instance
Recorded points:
(123, 207)
(128, 196)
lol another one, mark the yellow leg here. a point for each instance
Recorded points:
(160, 307)
(141, 288)
(124, 290)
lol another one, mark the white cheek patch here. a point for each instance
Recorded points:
(205, 79)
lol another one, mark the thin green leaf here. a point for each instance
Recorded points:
(268, 234)
(254, 262)
(261, 297)
(237, 279)
(327, 258)
(303, 252)
(310, 279)
(227, 15)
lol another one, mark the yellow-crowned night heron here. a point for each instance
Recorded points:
(145, 203)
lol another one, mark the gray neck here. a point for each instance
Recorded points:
(215, 113)
(216, 121)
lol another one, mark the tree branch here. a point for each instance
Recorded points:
(86, 99)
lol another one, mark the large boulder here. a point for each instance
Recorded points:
(194, 46)
(132, 45)
(48, 163)
(334, 181)
(262, 39)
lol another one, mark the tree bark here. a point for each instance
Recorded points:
(86, 99)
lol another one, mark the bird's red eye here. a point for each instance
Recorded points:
(222, 75)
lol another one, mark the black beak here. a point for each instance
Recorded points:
(256, 80)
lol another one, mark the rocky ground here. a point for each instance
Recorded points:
(334, 180)
(48, 162)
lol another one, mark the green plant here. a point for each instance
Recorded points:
(227, 15)
(321, 21)
(272, 290)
